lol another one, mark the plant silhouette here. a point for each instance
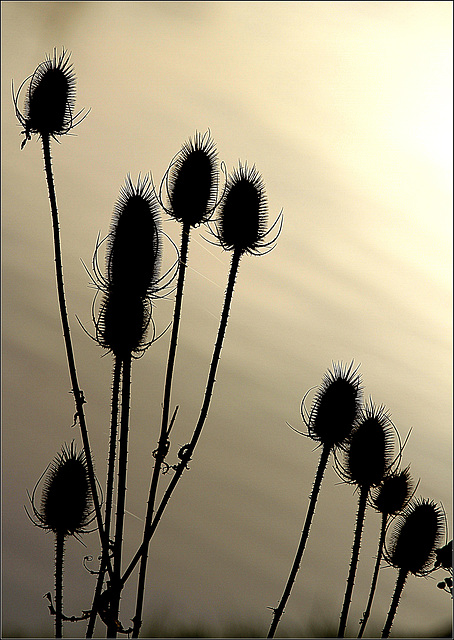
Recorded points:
(330, 421)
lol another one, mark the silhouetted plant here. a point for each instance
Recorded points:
(389, 499)
(414, 540)
(49, 112)
(244, 193)
(191, 184)
(367, 460)
(132, 280)
(334, 411)
(66, 510)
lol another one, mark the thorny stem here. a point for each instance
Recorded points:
(121, 492)
(373, 586)
(299, 554)
(109, 489)
(362, 502)
(160, 455)
(189, 449)
(59, 552)
(78, 394)
(400, 583)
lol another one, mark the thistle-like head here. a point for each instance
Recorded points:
(369, 447)
(192, 181)
(50, 98)
(132, 263)
(66, 502)
(393, 493)
(243, 212)
(416, 535)
(335, 407)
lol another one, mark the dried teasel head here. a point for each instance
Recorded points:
(242, 221)
(192, 181)
(369, 448)
(335, 407)
(394, 492)
(66, 502)
(132, 263)
(50, 98)
(416, 535)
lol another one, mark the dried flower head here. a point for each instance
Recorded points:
(66, 502)
(132, 263)
(192, 181)
(415, 537)
(241, 225)
(394, 492)
(335, 407)
(369, 447)
(50, 99)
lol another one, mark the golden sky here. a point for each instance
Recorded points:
(346, 110)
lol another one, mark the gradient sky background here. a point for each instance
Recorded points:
(346, 110)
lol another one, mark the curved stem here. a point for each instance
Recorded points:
(78, 394)
(59, 552)
(121, 493)
(189, 449)
(373, 586)
(362, 502)
(109, 489)
(302, 544)
(400, 583)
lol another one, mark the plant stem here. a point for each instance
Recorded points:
(121, 492)
(59, 552)
(109, 489)
(162, 447)
(189, 449)
(373, 586)
(362, 502)
(78, 394)
(400, 583)
(302, 544)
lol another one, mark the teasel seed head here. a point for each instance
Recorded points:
(369, 447)
(133, 263)
(393, 493)
(415, 537)
(335, 407)
(66, 502)
(134, 252)
(241, 225)
(50, 99)
(192, 181)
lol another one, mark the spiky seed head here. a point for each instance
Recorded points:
(193, 181)
(335, 406)
(66, 502)
(123, 322)
(243, 211)
(394, 492)
(369, 447)
(415, 537)
(134, 253)
(49, 103)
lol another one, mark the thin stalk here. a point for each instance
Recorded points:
(362, 503)
(78, 394)
(109, 489)
(121, 492)
(162, 447)
(373, 586)
(400, 583)
(59, 552)
(189, 449)
(302, 544)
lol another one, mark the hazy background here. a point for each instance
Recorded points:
(346, 110)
